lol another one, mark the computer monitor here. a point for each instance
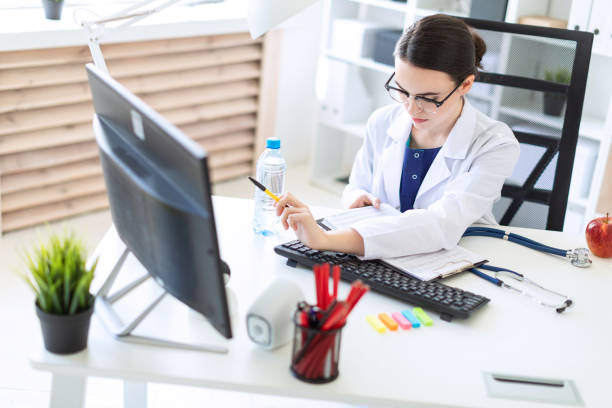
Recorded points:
(159, 192)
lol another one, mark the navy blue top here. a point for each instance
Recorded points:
(416, 165)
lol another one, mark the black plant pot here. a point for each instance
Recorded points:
(53, 9)
(65, 334)
(554, 103)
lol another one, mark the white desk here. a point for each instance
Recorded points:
(441, 365)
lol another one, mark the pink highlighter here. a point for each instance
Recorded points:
(401, 320)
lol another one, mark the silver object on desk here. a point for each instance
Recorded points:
(547, 390)
(579, 257)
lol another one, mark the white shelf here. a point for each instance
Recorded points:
(367, 63)
(385, 4)
(353, 129)
(403, 7)
(590, 127)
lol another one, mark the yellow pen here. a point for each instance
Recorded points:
(264, 189)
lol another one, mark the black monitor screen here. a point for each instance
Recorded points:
(159, 193)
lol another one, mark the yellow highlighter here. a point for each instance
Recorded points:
(375, 323)
(264, 189)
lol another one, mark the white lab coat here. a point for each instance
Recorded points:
(463, 182)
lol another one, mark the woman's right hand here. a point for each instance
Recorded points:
(364, 200)
(296, 215)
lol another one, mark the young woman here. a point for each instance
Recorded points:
(430, 154)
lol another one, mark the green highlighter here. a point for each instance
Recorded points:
(422, 316)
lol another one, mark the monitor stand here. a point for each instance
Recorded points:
(123, 331)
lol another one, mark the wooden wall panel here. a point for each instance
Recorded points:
(43, 213)
(44, 138)
(49, 176)
(210, 87)
(23, 199)
(60, 56)
(25, 77)
(53, 95)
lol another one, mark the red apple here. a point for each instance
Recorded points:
(599, 236)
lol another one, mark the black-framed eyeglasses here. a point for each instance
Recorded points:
(423, 103)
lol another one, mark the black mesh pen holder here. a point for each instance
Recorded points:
(316, 352)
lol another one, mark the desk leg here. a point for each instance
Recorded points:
(134, 394)
(67, 391)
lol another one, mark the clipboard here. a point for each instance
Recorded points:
(437, 265)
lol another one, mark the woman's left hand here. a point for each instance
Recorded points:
(296, 215)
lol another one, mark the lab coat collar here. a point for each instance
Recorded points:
(456, 147)
(460, 136)
(400, 127)
(393, 155)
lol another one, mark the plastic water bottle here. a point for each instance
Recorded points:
(271, 170)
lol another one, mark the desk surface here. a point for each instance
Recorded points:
(441, 365)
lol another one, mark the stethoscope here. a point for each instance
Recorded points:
(578, 257)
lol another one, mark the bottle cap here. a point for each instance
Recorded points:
(273, 143)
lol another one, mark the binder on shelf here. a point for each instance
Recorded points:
(346, 98)
(353, 38)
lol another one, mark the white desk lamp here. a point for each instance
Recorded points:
(262, 16)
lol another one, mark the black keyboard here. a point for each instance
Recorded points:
(450, 302)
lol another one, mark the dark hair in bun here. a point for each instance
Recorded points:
(442, 43)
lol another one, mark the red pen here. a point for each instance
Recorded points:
(319, 286)
(325, 286)
(336, 279)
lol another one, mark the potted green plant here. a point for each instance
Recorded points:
(53, 9)
(57, 272)
(554, 101)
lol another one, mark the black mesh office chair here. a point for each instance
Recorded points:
(512, 88)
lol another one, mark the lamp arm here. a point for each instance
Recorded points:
(95, 29)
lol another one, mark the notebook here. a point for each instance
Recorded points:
(433, 265)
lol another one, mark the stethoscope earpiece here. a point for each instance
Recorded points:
(567, 303)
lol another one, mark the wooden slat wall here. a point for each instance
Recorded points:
(207, 86)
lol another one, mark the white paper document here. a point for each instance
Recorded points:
(426, 267)
(349, 217)
(439, 264)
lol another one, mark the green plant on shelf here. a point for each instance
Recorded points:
(561, 75)
(56, 271)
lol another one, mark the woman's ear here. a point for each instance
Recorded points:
(466, 85)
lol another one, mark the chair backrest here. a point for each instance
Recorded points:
(522, 69)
